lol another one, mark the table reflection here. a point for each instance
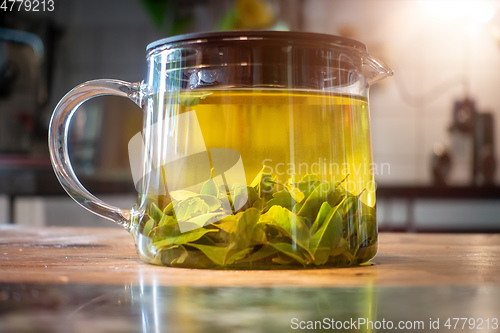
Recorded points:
(152, 308)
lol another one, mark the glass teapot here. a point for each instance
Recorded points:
(255, 151)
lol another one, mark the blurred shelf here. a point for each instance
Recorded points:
(441, 192)
(22, 176)
(415, 194)
(25, 175)
(8, 161)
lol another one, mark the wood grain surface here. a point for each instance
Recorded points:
(107, 256)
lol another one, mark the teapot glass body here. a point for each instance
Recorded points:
(255, 151)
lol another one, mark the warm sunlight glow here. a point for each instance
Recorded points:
(472, 29)
(473, 10)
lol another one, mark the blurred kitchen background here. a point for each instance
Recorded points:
(435, 124)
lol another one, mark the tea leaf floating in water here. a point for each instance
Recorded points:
(192, 98)
(307, 223)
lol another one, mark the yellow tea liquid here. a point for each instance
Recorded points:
(293, 134)
(292, 138)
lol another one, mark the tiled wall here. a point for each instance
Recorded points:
(102, 39)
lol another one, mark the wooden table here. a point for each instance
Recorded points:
(108, 256)
(94, 278)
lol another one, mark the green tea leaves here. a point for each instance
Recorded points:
(281, 198)
(260, 254)
(320, 218)
(202, 220)
(175, 237)
(263, 185)
(210, 188)
(195, 206)
(245, 226)
(327, 237)
(292, 224)
(155, 213)
(295, 193)
(314, 201)
(215, 253)
(292, 252)
(309, 222)
(148, 226)
(192, 98)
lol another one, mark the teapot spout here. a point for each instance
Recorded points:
(375, 70)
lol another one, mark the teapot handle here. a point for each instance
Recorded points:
(58, 143)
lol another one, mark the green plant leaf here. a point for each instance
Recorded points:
(281, 198)
(169, 210)
(212, 202)
(336, 196)
(190, 207)
(245, 227)
(210, 188)
(341, 248)
(240, 196)
(167, 220)
(352, 204)
(349, 212)
(228, 224)
(202, 220)
(292, 251)
(314, 201)
(364, 209)
(284, 260)
(259, 205)
(252, 194)
(179, 256)
(180, 195)
(349, 256)
(155, 213)
(195, 206)
(256, 181)
(327, 238)
(264, 252)
(322, 214)
(263, 185)
(173, 236)
(229, 20)
(156, 10)
(367, 228)
(259, 234)
(307, 187)
(310, 178)
(294, 226)
(232, 258)
(192, 98)
(148, 226)
(295, 193)
(215, 253)
(307, 184)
